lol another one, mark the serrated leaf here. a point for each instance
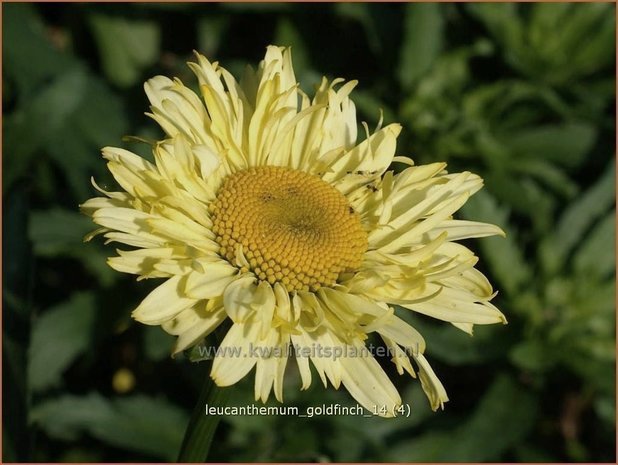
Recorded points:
(422, 41)
(58, 336)
(143, 424)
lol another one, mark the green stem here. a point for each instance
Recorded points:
(202, 427)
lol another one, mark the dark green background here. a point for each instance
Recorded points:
(521, 94)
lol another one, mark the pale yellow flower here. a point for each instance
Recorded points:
(263, 207)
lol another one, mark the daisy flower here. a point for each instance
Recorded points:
(263, 208)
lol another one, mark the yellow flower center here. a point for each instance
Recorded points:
(294, 228)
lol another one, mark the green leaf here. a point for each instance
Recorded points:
(30, 127)
(126, 46)
(66, 417)
(100, 119)
(287, 35)
(422, 41)
(434, 110)
(61, 97)
(84, 454)
(576, 220)
(605, 408)
(71, 114)
(566, 144)
(453, 346)
(597, 255)
(77, 161)
(507, 409)
(588, 33)
(75, 148)
(531, 355)
(555, 43)
(53, 230)
(95, 261)
(503, 254)
(201, 428)
(544, 17)
(524, 196)
(145, 424)
(17, 296)
(142, 424)
(28, 56)
(370, 106)
(598, 302)
(210, 32)
(509, 105)
(17, 252)
(199, 352)
(256, 7)
(550, 175)
(57, 232)
(598, 51)
(363, 14)
(58, 336)
(428, 447)
(526, 453)
(16, 432)
(157, 343)
(349, 430)
(502, 21)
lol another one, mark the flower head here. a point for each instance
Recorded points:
(263, 208)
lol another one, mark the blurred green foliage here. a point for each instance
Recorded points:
(522, 94)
